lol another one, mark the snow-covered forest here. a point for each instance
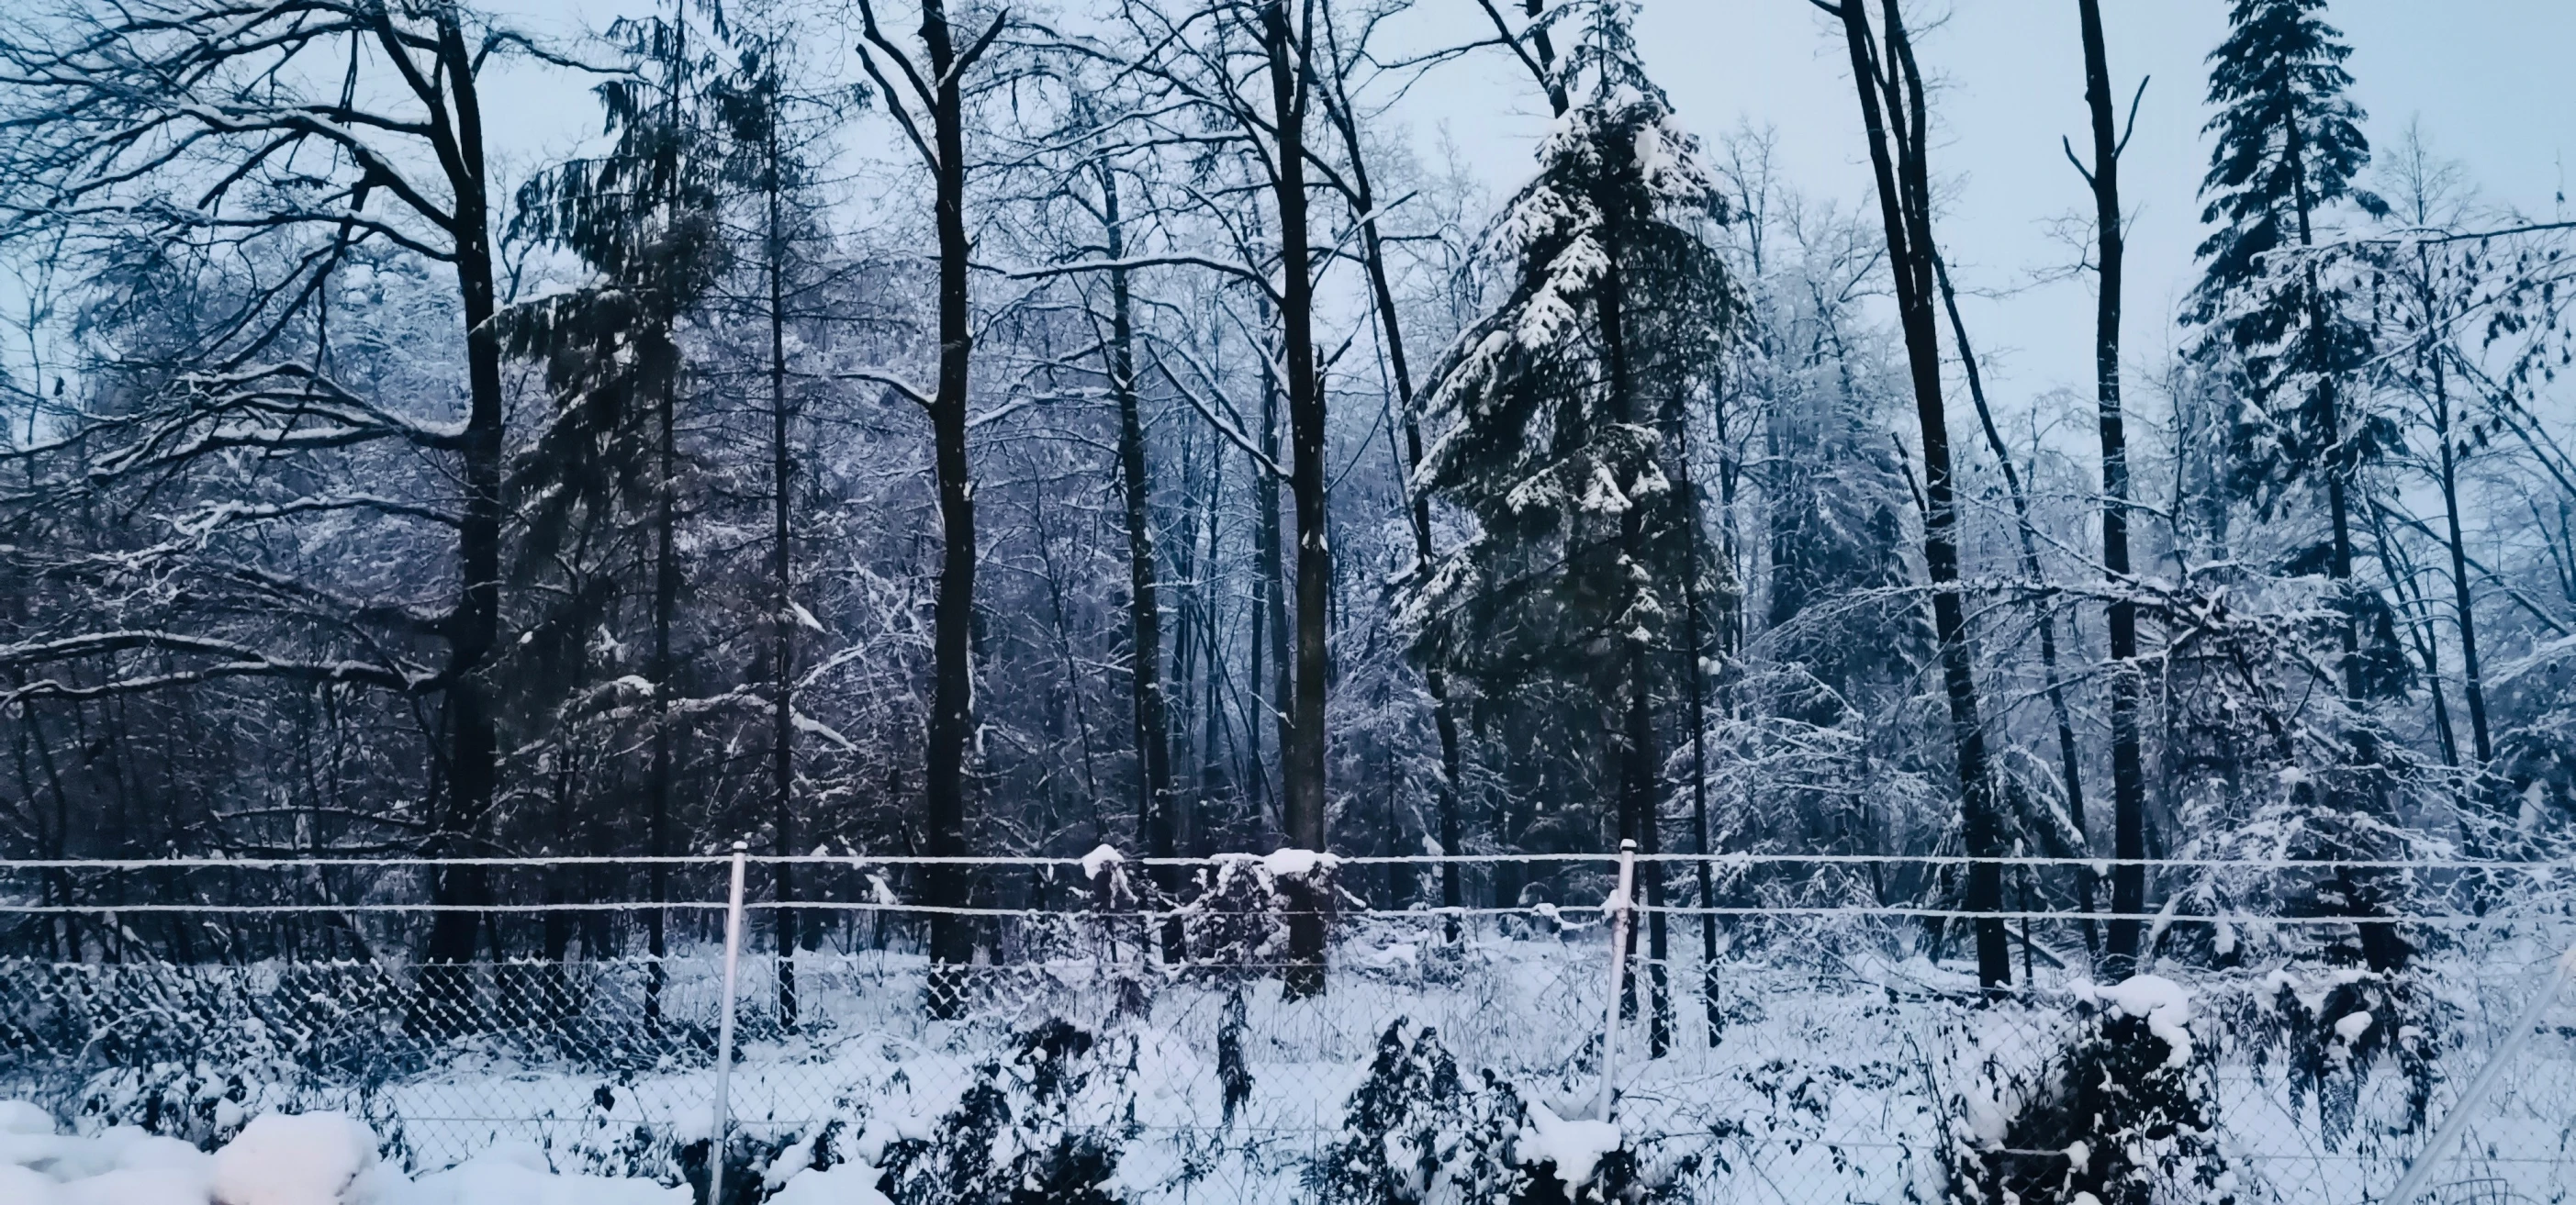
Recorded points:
(965, 431)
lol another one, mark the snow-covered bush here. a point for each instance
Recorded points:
(2332, 1028)
(1043, 1127)
(2120, 1117)
(1239, 916)
(1418, 1130)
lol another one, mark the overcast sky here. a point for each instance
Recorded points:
(2487, 78)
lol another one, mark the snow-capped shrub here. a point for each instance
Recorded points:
(2120, 1117)
(2332, 1028)
(1240, 914)
(1233, 1067)
(1043, 1128)
(319, 1158)
(1417, 1130)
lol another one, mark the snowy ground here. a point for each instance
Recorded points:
(278, 1159)
(1838, 1075)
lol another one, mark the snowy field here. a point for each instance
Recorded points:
(1837, 1075)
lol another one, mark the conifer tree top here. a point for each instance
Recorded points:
(2289, 142)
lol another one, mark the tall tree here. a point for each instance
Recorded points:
(932, 94)
(1286, 40)
(765, 157)
(2289, 147)
(642, 218)
(1360, 192)
(1894, 120)
(110, 110)
(2128, 771)
(1554, 416)
(1158, 807)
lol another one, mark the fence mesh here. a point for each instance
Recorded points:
(1827, 1054)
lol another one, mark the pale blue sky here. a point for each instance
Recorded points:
(2488, 78)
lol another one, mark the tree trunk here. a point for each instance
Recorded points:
(2365, 891)
(2463, 603)
(473, 628)
(952, 937)
(1271, 588)
(1444, 718)
(2069, 765)
(1905, 200)
(782, 619)
(1302, 759)
(1153, 738)
(1695, 679)
(2128, 769)
(1196, 837)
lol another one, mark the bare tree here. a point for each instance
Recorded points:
(1894, 120)
(931, 93)
(2128, 770)
(259, 112)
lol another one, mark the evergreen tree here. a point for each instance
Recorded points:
(1556, 415)
(1546, 410)
(2289, 148)
(643, 218)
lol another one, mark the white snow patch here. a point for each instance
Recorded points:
(1102, 857)
(1987, 1122)
(1296, 863)
(1575, 1147)
(2351, 1026)
(20, 1117)
(288, 1159)
(840, 1184)
(517, 1175)
(293, 1159)
(2160, 1001)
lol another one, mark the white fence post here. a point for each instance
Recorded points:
(2466, 1108)
(1620, 908)
(724, 1034)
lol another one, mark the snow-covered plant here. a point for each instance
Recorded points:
(2289, 147)
(1420, 1130)
(2334, 1030)
(1547, 410)
(2122, 1116)
(1241, 913)
(1554, 424)
(1417, 1130)
(1045, 1125)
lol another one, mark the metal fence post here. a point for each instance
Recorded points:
(724, 1033)
(2466, 1109)
(1620, 908)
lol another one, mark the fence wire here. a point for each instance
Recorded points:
(1822, 1054)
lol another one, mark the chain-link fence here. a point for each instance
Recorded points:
(1165, 1045)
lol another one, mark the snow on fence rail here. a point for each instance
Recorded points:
(1789, 1037)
